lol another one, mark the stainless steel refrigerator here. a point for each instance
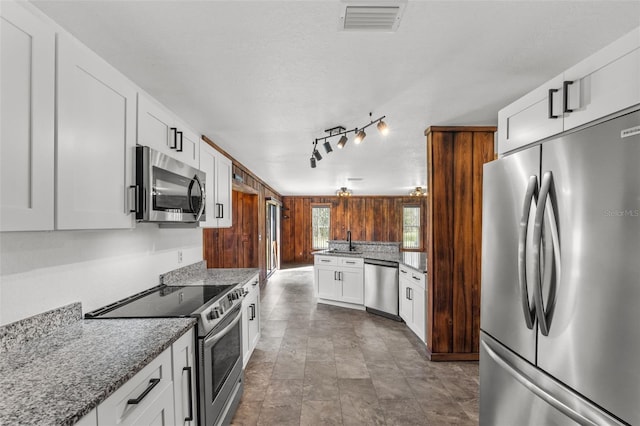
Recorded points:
(560, 316)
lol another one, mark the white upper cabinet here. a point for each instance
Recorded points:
(218, 206)
(161, 130)
(605, 82)
(27, 74)
(96, 139)
(602, 84)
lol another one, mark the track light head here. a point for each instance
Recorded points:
(382, 127)
(359, 137)
(313, 162)
(317, 155)
(327, 147)
(342, 142)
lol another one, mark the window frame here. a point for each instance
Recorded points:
(419, 227)
(313, 240)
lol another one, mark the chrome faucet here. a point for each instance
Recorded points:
(351, 247)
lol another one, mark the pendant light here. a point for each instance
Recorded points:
(359, 137)
(343, 141)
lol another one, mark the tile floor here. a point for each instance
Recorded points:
(322, 365)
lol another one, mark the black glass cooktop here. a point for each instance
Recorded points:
(162, 302)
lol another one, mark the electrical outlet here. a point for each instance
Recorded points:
(179, 256)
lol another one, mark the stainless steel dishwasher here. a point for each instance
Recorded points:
(381, 288)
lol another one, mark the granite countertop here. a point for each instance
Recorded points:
(414, 260)
(59, 377)
(198, 274)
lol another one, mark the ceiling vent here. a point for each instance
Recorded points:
(382, 16)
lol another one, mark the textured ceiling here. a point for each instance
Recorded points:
(263, 79)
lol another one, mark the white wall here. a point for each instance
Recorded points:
(45, 270)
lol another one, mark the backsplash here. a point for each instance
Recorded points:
(184, 273)
(366, 246)
(20, 332)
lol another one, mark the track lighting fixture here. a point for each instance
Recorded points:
(342, 132)
(343, 141)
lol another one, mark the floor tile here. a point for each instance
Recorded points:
(321, 413)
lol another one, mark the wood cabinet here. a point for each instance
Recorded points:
(455, 156)
(218, 207)
(604, 83)
(413, 300)
(339, 280)
(184, 380)
(145, 399)
(96, 138)
(250, 318)
(161, 130)
(27, 75)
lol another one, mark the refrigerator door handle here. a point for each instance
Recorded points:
(530, 196)
(544, 315)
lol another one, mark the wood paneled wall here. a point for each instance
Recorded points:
(455, 156)
(221, 247)
(369, 219)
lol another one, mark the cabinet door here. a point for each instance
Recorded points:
(184, 380)
(27, 75)
(419, 302)
(246, 314)
(96, 139)
(606, 82)
(223, 212)
(352, 285)
(160, 412)
(325, 281)
(254, 324)
(208, 165)
(527, 119)
(190, 147)
(406, 307)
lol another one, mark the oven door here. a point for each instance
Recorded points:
(221, 368)
(167, 189)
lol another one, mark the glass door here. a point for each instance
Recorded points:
(273, 236)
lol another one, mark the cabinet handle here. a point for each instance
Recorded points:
(415, 278)
(136, 202)
(220, 212)
(179, 146)
(404, 272)
(565, 95)
(173, 136)
(253, 311)
(152, 384)
(406, 293)
(189, 418)
(551, 92)
(255, 283)
(325, 260)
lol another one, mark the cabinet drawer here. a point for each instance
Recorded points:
(413, 276)
(150, 387)
(326, 260)
(351, 262)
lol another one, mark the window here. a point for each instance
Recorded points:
(320, 223)
(411, 227)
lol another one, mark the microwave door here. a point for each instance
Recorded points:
(198, 197)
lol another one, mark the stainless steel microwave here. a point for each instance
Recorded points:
(167, 190)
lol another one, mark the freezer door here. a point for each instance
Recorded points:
(509, 190)
(593, 343)
(514, 392)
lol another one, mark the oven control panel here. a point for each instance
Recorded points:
(218, 310)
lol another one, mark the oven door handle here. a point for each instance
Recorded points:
(210, 341)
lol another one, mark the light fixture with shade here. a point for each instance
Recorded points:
(343, 141)
(313, 162)
(342, 132)
(418, 192)
(343, 192)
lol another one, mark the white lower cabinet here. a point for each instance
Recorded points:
(413, 300)
(162, 393)
(250, 318)
(184, 380)
(339, 279)
(146, 399)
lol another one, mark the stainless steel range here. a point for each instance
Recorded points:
(219, 330)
